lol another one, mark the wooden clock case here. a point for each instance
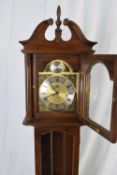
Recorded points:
(57, 134)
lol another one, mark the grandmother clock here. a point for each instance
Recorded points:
(58, 88)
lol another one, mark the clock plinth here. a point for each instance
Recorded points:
(57, 75)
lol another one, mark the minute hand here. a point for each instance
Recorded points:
(52, 94)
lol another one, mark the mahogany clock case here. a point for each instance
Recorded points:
(38, 53)
(57, 133)
(78, 53)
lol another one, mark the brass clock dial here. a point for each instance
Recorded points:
(57, 92)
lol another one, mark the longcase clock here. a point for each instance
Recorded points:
(57, 75)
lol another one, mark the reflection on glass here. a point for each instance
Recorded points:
(100, 100)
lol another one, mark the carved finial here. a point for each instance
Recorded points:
(58, 21)
(58, 12)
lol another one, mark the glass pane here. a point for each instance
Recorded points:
(100, 100)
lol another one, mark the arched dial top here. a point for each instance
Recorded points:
(58, 66)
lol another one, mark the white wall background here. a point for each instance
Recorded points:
(18, 18)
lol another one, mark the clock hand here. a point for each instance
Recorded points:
(54, 88)
(52, 94)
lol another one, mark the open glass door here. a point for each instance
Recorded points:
(100, 98)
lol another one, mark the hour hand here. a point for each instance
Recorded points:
(54, 88)
(52, 94)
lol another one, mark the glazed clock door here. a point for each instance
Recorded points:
(100, 97)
